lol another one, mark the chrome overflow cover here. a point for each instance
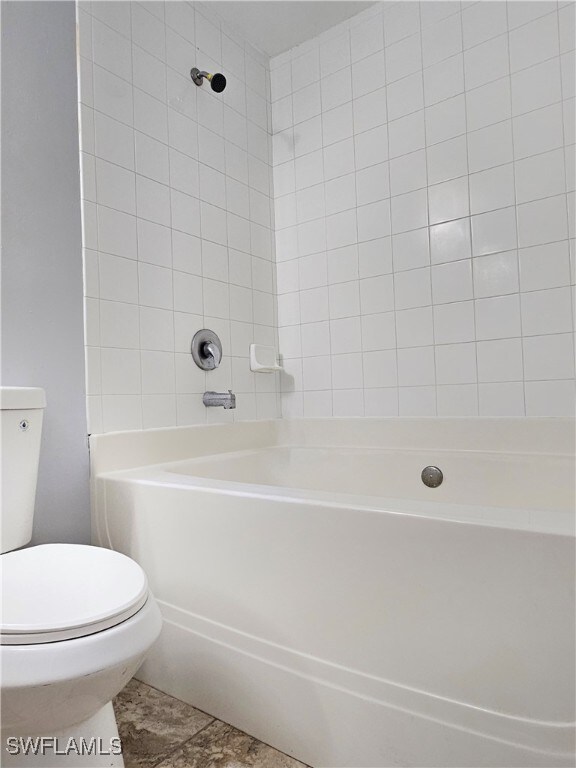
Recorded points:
(206, 349)
(432, 477)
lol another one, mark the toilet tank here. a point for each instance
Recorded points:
(21, 413)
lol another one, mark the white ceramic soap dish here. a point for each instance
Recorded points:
(263, 359)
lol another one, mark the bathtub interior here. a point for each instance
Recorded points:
(476, 478)
(264, 546)
(509, 473)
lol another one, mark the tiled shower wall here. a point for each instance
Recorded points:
(424, 203)
(177, 214)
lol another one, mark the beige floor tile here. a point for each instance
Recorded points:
(222, 746)
(152, 724)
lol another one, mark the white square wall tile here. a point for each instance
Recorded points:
(366, 38)
(406, 134)
(548, 311)
(378, 331)
(379, 369)
(488, 61)
(500, 360)
(483, 21)
(158, 411)
(116, 232)
(119, 325)
(540, 176)
(544, 266)
(118, 279)
(498, 318)
(405, 96)
(370, 111)
(414, 327)
(538, 131)
(340, 194)
(447, 160)
(413, 288)
(337, 124)
(120, 371)
(457, 400)
(347, 371)
(504, 400)
(373, 220)
(411, 250)
(456, 364)
(452, 282)
(494, 231)
(368, 74)
(375, 257)
(549, 357)
(442, 40)
(448, 200)
(416, 367)
(381, 403)
(444, 80)
(155, 286)
(121, 412)
(490, 146)
(409, 211)
(488, 104)
(496, 274)
(158, 373)
(542, 221)
(403, 58)
(376, 294)
(372, 184)
(336, 89)
(116, 187)
(492, 189)
(536, 87)
(550, 398)
(446, 120)
(371, 147)
(408, 173)
(454, 322)
(417, 402)
(450, 241)
(534, 42)
(334, 54)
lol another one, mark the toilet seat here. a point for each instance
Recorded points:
(55, 592)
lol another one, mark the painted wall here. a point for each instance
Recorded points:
(424, 206)
(177, 214)
(42, 340)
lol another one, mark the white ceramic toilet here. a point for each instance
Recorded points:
(75, 624)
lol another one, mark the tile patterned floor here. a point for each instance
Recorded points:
(158, 731)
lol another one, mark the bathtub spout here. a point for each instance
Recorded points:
(214, 399)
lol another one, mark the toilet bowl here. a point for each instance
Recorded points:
(76, 621)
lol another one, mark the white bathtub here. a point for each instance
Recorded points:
(317, 595)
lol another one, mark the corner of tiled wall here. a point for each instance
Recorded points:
(177, 214)
(413, 254)
(424, 200)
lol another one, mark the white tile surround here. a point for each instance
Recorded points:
(177, 214)
(422, 203)
(424, 200)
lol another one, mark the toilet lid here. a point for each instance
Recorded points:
(57, 592)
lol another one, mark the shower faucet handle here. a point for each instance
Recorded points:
(212, 350)
(206, 349)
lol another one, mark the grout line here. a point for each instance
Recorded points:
(469, 218)
(516, 223)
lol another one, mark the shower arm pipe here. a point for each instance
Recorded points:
(216, 79)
